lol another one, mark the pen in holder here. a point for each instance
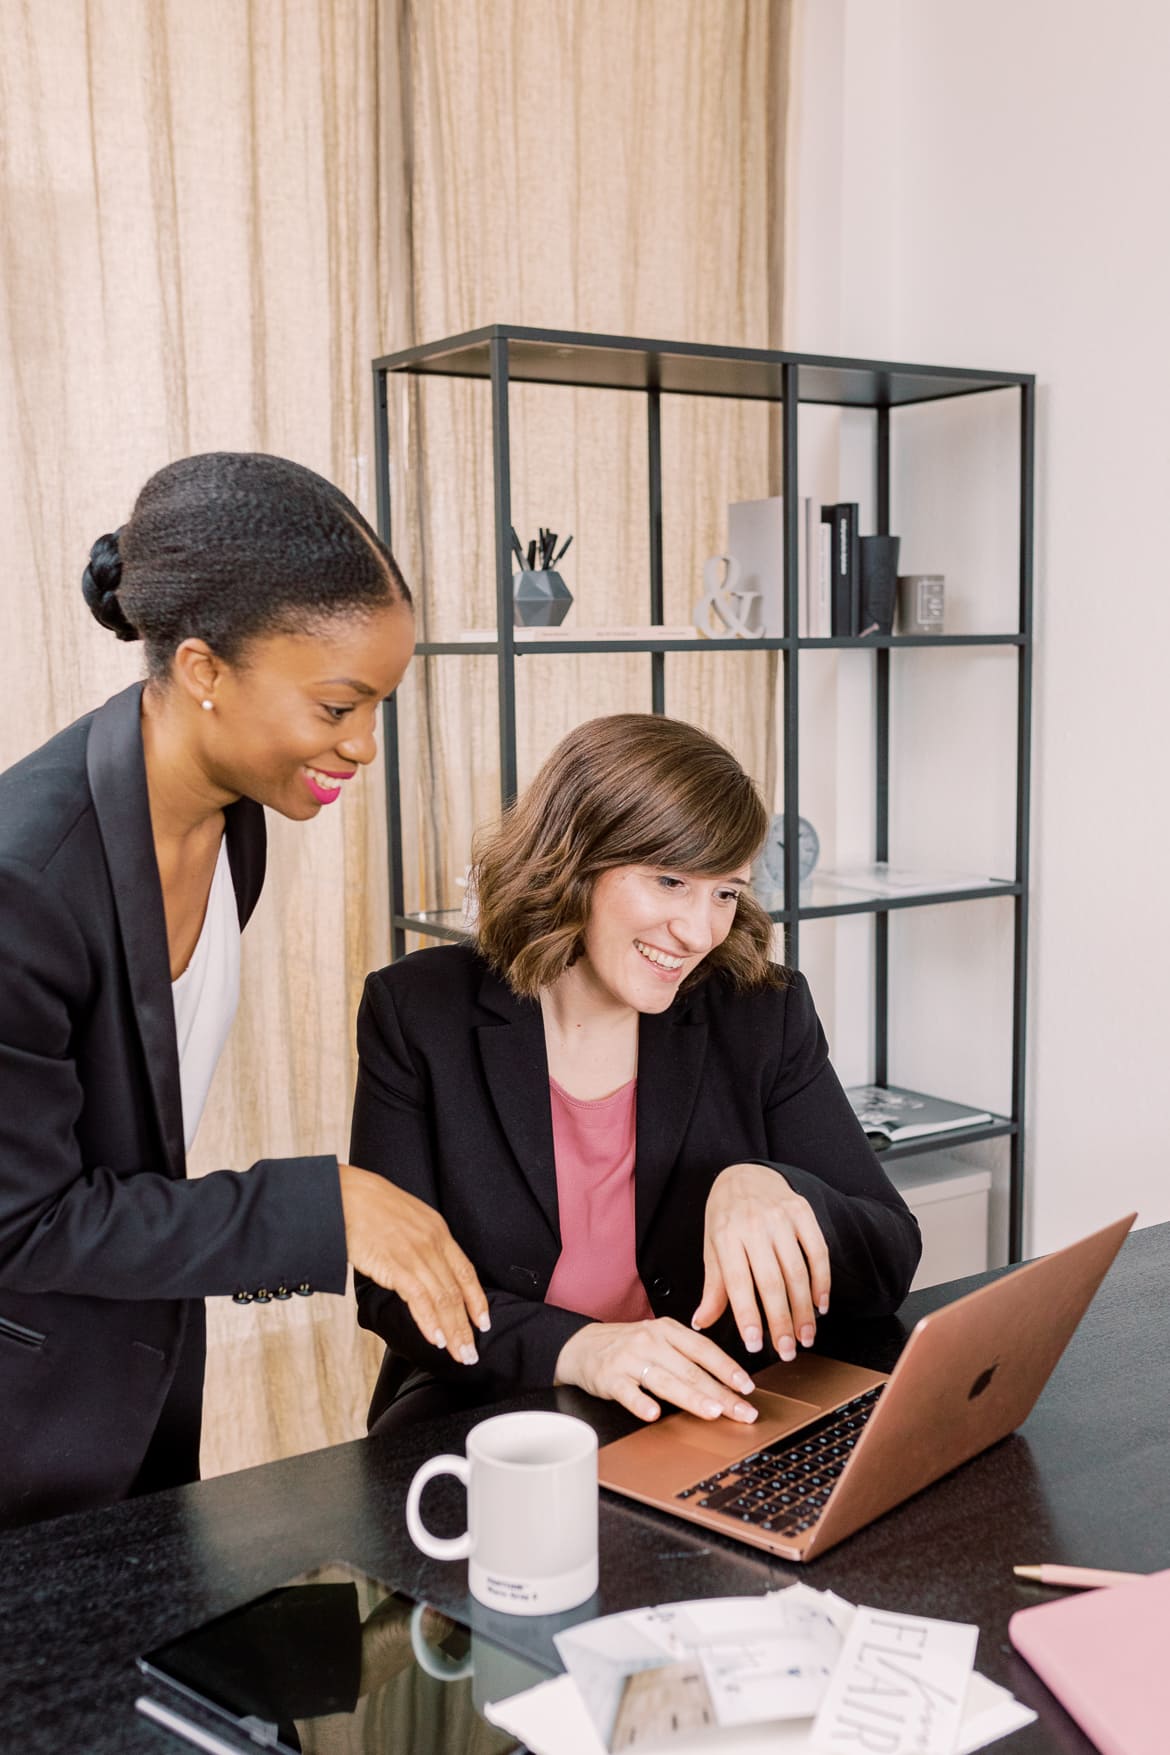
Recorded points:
(540, 597)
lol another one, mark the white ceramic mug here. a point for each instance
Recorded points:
(531, 1537)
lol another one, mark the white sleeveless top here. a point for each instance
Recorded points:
(206, 995)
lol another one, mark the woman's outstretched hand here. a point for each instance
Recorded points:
(635, 1362)
(763, 1249)
(404, 1245)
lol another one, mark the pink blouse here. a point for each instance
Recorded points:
(594, 1143)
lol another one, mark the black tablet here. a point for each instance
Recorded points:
(337, 1663)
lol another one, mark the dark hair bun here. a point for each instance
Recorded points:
(99, 587)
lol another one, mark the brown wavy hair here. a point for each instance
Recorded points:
(629, 789)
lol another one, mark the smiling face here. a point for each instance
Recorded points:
(649, 928)
(293, 721)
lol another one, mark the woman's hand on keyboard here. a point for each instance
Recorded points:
(763, 1249)
(640, 1364)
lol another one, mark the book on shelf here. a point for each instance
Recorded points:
(845, 568)
(888, 1112)
(822, 628)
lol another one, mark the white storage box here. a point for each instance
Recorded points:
(950, 1201)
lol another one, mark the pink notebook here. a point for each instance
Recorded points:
(1103, 1653)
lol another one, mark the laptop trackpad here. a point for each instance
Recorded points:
(726, 1439)
(661, 1459)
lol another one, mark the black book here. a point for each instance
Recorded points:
(852, 545)
(829, 517)
(845, 595)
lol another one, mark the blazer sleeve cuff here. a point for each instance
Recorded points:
(312, 1233)
(518, 1353)
(874, 1246)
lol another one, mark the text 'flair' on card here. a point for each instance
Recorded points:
(898, 1688)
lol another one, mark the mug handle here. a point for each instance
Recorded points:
(438, 1547)
(435, 1663)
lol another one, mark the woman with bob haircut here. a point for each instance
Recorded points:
(132, 850)
(622, 1107)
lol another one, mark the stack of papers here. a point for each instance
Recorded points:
(795, 1670)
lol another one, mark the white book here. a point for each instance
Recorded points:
(820, 622)
(811, 531)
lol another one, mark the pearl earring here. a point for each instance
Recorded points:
(207, 705)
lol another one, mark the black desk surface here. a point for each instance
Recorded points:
(1085, 1481)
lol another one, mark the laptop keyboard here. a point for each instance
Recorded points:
(784, 1487)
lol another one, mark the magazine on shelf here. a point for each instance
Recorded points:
(894, 1114)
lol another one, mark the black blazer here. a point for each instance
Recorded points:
(453, 1105)
(103, 1243)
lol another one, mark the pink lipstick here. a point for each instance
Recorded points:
(324, 794)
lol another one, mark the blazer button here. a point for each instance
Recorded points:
(303, 1290)
(526, 1274)
(241, 1297)
(282, 1291)
(263, 1295)
(662, 1287)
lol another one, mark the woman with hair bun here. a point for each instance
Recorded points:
(649, 1141)
(132, 849)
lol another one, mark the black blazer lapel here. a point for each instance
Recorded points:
(515, 1065)
(117, 781)
(247, 845)
(672, 1046)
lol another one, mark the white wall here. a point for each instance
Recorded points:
(983, 184)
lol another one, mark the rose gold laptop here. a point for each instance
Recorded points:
(836, 1445)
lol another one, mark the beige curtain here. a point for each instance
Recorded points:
(211, 218)
(606, 166)
(192, 257)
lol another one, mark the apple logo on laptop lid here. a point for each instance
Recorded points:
(982, 1381)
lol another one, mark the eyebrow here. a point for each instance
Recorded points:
(347, 682)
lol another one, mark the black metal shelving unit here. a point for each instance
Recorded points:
(505, 353)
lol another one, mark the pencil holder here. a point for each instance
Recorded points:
(539, 599)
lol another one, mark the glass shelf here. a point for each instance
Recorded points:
(616, 362)
(526, 646)
(446, 923)
(891, 642)
(826, 895)
(822, 898)
(998, 1127)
